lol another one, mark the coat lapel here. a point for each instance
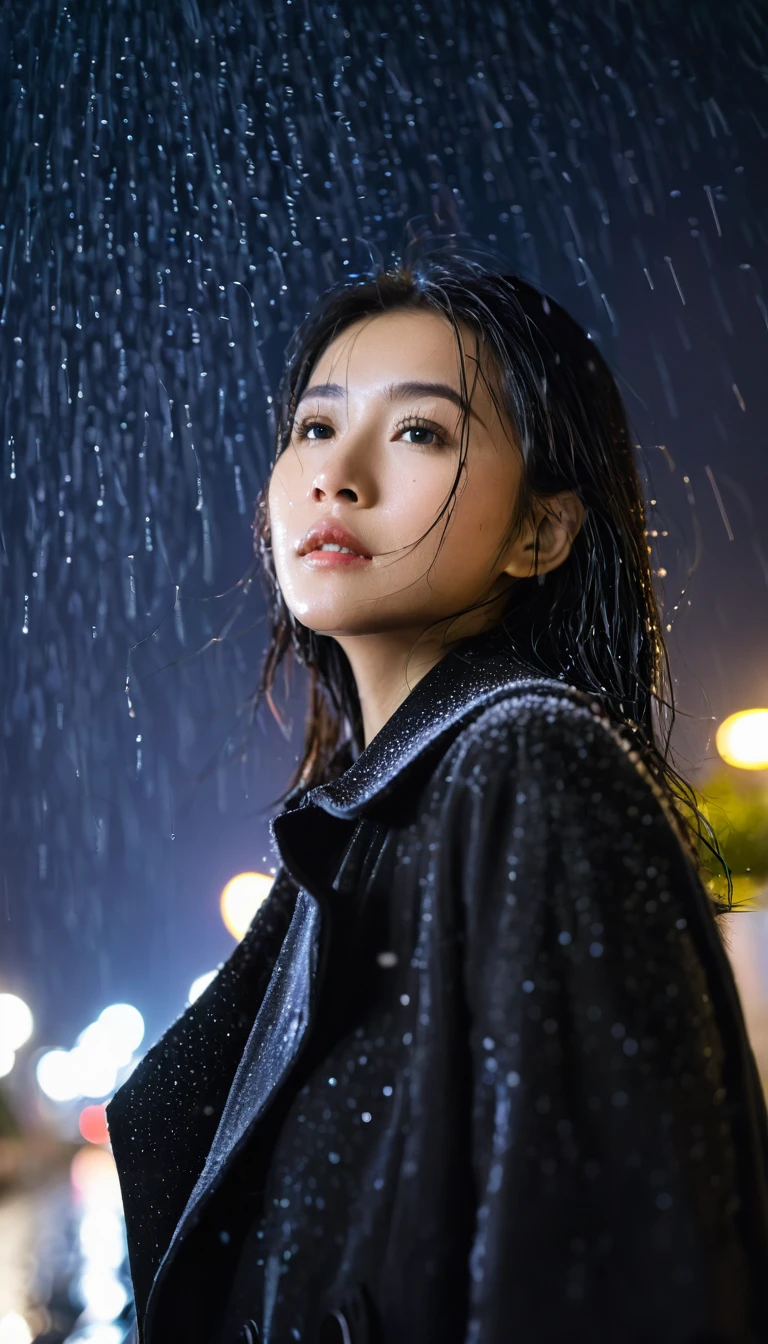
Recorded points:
(164, 1118)
(273, 1044)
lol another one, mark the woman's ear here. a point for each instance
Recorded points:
(546, 539)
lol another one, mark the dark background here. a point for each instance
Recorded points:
(177, 182)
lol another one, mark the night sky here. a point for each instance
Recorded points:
(178, 181)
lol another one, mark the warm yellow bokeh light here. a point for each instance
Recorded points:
(240, 900)
(742, 739)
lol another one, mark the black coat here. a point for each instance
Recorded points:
(540, 1118)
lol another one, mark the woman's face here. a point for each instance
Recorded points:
(374, 451)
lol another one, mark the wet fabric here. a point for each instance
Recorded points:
(536, 1116)
(355, 932)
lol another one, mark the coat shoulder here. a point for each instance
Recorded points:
(547, 725)
(554, 742)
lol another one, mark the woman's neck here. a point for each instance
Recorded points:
(386, 667)
(387, 664)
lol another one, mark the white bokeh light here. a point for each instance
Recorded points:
(91, 1069)
(102, 1239)
(95, 1073)
(57, 1075)
(124, 1024)
(14, 1329)
(200, 985)
(103, 1294)
(16, 1022)
(98, 1333)
(7, 1060)
(98, 1043)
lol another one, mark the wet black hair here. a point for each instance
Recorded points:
(593, 622)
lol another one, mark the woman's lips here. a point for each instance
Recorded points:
(333, 559)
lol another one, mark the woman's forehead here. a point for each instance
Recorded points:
(399, 345)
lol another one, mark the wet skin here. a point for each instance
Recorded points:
(381, 460)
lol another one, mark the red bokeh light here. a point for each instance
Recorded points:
(93, 1124)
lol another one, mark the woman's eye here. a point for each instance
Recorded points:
(420, 429)
(304, 429)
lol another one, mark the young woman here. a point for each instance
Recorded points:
(478, 1072)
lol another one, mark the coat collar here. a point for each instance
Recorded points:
(311, 834)
(474, 674)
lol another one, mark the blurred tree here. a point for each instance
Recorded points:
(736, 805)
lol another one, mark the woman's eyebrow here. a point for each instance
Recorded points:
(395, 392)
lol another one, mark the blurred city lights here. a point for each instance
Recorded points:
(94, 1072)
(104, 1295)
(94, 1178)
(57, 1075)
(100, 1240)
(99, 1334)
(125, 1025)
(102, 1244)
(16, 1022)
(742, 739)
(102, 1050)
(14, 1329)
(97, 1043)
(65, 1075)
(200, 985)
(93, 1124)
(240, 900)
(16, 1026)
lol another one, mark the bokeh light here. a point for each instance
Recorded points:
(7, 1060)
(14, 1329)
(200, 985)
(16, 1023)
(94, 1072)
(240, 900)
(102, 1244)
(100, 1333)
(65, 1075)
(742, 739)
(125, 1025)
(103, 1294)
(93, 1124)
(94, 1178)
(102, 1050)
(102, 1240)
(57, 1075)
(96, 1043)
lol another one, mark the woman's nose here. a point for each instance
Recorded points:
(322, 488)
